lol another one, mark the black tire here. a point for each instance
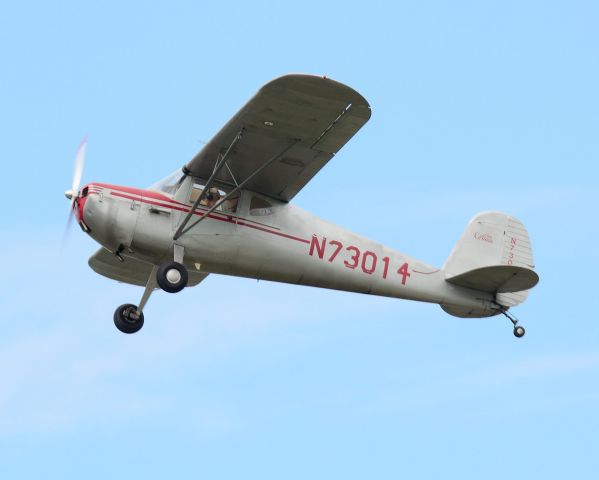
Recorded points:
(519, 331)
(126, 322)
(165, 283)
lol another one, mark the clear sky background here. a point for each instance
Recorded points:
(476, 106)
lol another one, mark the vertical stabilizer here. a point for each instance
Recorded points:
(494, 254)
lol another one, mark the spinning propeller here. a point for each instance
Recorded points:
(73, 193)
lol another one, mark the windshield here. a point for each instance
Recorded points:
(170, 184)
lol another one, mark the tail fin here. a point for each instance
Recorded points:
(494, 255)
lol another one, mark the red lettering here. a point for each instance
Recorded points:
(355, 257)
(372, 267)
(403, 271)
(386, 269)
(319, 247)
(339, 246)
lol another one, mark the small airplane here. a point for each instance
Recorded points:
(227, 212)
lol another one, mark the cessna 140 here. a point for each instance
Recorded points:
(228, 212)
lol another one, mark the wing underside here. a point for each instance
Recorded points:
(132, 270)
(303, 119)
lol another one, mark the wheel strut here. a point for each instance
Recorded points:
(129, 318)
(519, 330)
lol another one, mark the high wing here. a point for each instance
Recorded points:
(132, 270)
(292, 127)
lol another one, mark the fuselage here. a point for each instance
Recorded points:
(262, 239)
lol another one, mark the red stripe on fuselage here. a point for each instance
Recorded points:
(426, 273)
(161, 197)
(140, 192)
(183, 208)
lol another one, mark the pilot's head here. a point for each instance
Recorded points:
(213, 195)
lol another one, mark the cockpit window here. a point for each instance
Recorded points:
(170, 184)
(260, 207)
(214, 196)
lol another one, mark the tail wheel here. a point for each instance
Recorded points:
(127, 319)
(519, 331)
(172, 277)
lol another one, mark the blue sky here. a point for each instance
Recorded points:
(476, 106)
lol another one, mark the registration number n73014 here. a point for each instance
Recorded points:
(353, 258)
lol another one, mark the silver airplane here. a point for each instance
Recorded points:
(227, 212)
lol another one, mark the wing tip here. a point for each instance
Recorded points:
(319, 82)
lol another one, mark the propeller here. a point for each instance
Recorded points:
(73, 192)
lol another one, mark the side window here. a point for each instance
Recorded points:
(214, 196)
(260, 207)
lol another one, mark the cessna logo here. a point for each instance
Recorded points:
(483, 237)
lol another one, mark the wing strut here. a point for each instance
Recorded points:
(180, 231)
(220, 162)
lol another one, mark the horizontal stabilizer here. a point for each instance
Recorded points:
(499, 278)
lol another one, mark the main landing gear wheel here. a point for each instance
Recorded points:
(127, 319)
(519, 331)
(172, 277)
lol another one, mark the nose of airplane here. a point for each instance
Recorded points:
(78, 208)
(79, 203)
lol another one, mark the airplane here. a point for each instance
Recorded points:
(227, 211)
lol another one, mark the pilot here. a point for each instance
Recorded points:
(212, 197)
